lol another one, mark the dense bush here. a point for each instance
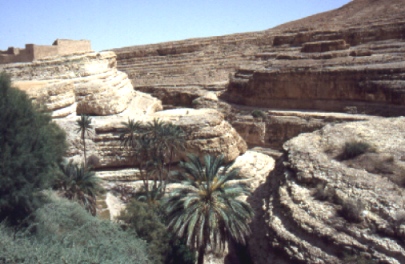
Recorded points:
(147, 221)
(31, 146)
(79, 183)
(354, 148)
(259, 114)
(63, 232)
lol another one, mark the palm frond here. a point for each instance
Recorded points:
(207, 209)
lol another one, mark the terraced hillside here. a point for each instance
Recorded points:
(363, 41)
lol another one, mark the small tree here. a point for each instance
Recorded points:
(84, 127)
(31, 147)
(79, 183)
(206, 210)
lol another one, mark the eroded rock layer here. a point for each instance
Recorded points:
(87, 83)
(323, 207)
(206, 133)
(348, 58)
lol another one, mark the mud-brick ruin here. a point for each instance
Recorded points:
(34, 52)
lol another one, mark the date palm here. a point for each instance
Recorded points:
(129, 133)
(153, 146)
(84, 127)
(80, 184)
(207, 209)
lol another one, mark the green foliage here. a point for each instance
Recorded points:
(259, 114)
(354, 148)
(206, 210)
(84, 127)
(153, 146)
(64, 232)
(163, 247)
(79, 183)
(31, 146)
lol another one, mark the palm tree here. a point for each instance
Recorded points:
(80, 184)
(129, 132)
(154, 146)
(206, 210)
(84, 127)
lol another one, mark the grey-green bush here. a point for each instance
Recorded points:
(63, 232)
(353, 149)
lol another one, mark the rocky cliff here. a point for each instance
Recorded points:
(87, 83)
(348, 60)
(336, 67)
(312, 204)
(319, 206)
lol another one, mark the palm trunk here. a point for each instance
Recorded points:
(84, 146)
(201, 253)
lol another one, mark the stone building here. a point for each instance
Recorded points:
(34, 52)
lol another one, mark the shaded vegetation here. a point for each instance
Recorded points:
(353, 149)
(352, 210)
(31, 147)
(148, 222)
(153, 148)
(259, 114)
(79, 183)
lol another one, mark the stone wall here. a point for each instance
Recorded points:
(36, 52)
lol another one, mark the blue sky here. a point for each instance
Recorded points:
(120, 23)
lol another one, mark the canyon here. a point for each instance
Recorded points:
(282, 103)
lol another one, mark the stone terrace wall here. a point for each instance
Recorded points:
(36, 52)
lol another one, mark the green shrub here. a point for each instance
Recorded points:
(352, 210)
(354, 148)
(63, 232)
(31, 147)
(259, 114)
(163, 246)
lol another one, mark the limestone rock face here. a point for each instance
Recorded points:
(254, 167)
(372, 88)
(315, 207)
(103, 141)
(57, 96)
(207, 132)
(179, 95)
(277, 126)
(88, 83)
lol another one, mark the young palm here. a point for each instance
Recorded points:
(206, 210)
(130, 132)
(80, 184)
(84, 127)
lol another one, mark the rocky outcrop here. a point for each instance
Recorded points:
(87, 83)
(321, 208)
(254, 168)
(377, 88)
(207, 132)
(351, 57)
